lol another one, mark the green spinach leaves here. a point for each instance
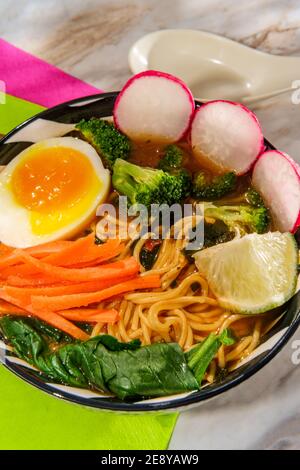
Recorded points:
(127, 370)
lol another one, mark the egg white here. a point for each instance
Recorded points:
(15, 225)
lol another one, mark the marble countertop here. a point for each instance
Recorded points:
(90, 40)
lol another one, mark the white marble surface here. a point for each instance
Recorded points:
(90, 39)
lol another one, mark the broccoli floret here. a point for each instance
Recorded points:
(205, 187)
(172, 159)
(185, 179)
(147, 185)
(171, 163)
(253, 198)
(106, 139)
(249, 218)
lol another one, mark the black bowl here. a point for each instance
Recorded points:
(101, 106)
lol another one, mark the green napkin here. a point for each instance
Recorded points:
(14, 111)
(31, 419)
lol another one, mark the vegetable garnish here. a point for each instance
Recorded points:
(148, 185)
(172, 159)
(247, 218)
(112, 270)
(13, 256)
(52, 318)
(67, 253)
(265, 266)
(226, 136)
(204, 187)
(253, 198)
(91, 315)
(165, 118)
(277, 177)
(200, 356)
(78, 300)
(172, 163)
(106, 139)
(25, 293)
(84, 250)
(53, 263)
(128, 370)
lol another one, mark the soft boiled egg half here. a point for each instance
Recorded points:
(50, 191)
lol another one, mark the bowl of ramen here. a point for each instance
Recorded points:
(149, 248)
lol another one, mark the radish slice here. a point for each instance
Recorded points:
(226, 136)
(154, 105)
(277, 177)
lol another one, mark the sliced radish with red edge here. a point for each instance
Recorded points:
(226, 136)
(277, 177)
(154, 105)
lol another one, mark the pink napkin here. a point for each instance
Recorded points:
(32, 79)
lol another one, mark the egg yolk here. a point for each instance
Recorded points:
(56, 185)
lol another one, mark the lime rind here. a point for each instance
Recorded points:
(252, 274)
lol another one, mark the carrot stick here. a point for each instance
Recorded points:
(6, 307)
(5, 250)
(22, 270)
(24, 293)
(84, 250)
(49, 317)
(107, 271)
(26, 270)
(64, 302)
(34, 281)
(13, 257)
(91, 315)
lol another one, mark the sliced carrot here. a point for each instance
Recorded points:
(6, 307)
(84, 250)
(107, 271)
(4, 249)
(64, 253)
(45, 249)
(64, 302)
(12, 256)
(22, 270)
(24, 293)
(28, 271)
(49, 317)
(91, 315)
(34, 281)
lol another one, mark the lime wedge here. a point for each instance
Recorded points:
(251, 274)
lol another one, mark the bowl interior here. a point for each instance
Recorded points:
(57, 122)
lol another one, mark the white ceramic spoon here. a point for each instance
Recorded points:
(215, 67)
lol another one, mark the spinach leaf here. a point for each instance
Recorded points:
(126, 369)
(111, 343)
(156, 370)
(49, 331)
(200, 356)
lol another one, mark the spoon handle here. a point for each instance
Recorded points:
(256, 98)
(264, 96)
